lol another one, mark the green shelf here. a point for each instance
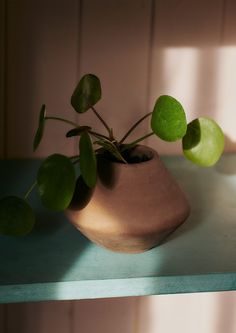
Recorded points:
(56, 262)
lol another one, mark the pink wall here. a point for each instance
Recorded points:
(195, 313)
(140, 49)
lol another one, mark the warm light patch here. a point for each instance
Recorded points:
(203, 79)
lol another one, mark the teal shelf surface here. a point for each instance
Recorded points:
(56, 262)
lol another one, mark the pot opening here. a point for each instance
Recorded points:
(137, 154)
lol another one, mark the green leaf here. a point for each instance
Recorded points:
(16, 216)
(78, 131)
(40, 130)
(56, 182)
(87, 93)
(203, 143)
(88, 161)
(168, 120)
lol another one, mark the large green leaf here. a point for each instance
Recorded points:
(168, 119)
(87, 93)
(40, 130)
(16, 216)
(88, 161)
(56, 182)
(203, 143)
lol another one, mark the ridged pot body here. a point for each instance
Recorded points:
(133, 207)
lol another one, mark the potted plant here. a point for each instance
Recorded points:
(124, 198)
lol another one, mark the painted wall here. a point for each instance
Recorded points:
(140, 49)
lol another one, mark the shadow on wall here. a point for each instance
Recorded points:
(108, 315)
(21, 78)
(40, 68)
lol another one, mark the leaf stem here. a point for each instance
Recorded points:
(98, 135)
(76, 160)
(134, 126)
(62, 119)
(73, 157)
(137, 141)
(30, 190)
(103, 122)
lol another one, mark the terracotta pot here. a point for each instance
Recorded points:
(133, 206)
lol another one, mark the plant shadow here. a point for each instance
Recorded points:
(51, 249)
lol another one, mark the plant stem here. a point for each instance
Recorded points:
(134, 126)
(62, 119)
(137, 141)
(98, 135)
(73, 157)
(103, 122)
(76, 160)
(76, 125)
(30, 190)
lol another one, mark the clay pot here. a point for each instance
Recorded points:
(133, 207)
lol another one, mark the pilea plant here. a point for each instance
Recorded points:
(202, 142)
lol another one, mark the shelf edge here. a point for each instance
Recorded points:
(72, 290)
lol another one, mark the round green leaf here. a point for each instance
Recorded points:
(203, 143)
(168, 119)
(56, 182)
(88, 161)
(16, 216)
(40, 130)
(87, 93)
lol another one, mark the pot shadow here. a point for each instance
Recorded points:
(205, 189)
(227, 166)
(205, 241)
(51, 249)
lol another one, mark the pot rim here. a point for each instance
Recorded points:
(143, 148)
